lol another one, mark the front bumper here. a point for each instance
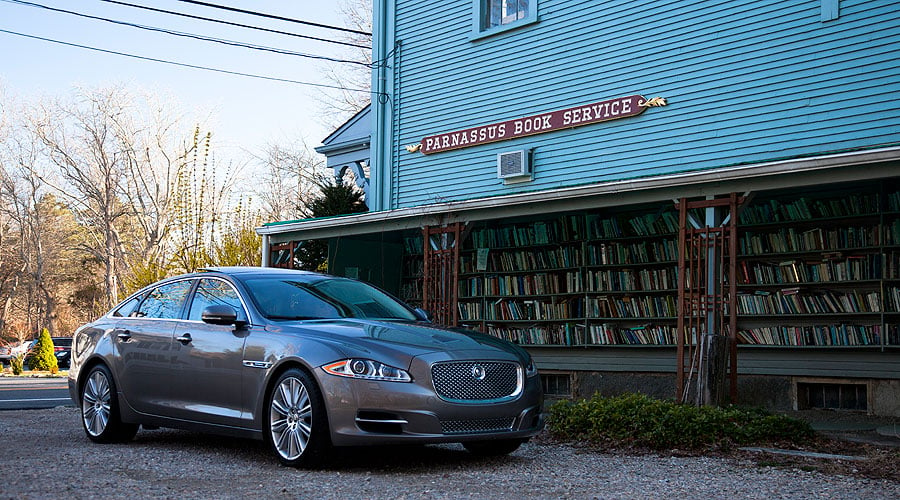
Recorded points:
(362, 412)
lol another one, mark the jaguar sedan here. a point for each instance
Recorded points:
(301, 360)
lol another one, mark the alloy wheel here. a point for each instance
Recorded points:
(290, 418)
(95, 403)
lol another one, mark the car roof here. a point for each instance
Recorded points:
(257, 271)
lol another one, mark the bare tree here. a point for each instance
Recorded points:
(339, 105)
(39, 233)
(290, 179)
(158, 147)
(81, 142)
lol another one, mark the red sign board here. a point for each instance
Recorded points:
(611, 109)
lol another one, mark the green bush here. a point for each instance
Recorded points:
(43, 357)
(16, 364)
(639, 420)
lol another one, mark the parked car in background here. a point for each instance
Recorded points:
(6, 353)
(62, 348)
(301, 360)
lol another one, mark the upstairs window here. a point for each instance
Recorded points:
(499, 12)
(492, 16)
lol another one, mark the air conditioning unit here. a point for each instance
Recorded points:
(514, 166)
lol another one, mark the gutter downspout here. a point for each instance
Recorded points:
(382, 106)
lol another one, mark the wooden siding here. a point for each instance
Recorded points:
(753, 361)
(746, 81)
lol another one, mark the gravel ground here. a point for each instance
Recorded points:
(46, 455)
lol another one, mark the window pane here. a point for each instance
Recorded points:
(498, 12)
(166, 301)
(214, 292)
(127, 308)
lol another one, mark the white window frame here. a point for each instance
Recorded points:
(479, 14)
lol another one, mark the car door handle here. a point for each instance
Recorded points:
(123, 335)
(184, 339)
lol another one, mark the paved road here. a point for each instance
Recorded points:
(33, 393)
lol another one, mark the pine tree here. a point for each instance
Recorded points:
(337, 198)
(43, 356)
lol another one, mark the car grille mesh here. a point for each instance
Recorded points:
(476, 381)
(476, 426)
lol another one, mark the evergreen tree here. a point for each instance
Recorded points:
(336, 198)
(43, 356)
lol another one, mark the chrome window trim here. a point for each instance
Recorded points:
(150, 292)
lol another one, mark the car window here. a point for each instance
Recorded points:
(214, 292)
(280, 298)
(166, 301)
(127, 308)
(62, 341)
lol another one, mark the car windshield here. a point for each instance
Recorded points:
(282, 298)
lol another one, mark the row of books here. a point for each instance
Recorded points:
(642, 252)
(893, 299)
(790, 301)
(519, 310)
(559, 334)
(892, 334)
(566, 228)
(606, 334)
(521, 284)
(821, 335)
(532, 260)
(854, 267)
(892, 265)
(790, 240)
(662, 223)
(659, 306)
(536, 233)
(568, 334)
(892, 233)
(663, 278)
(805, 209)
(894, 202)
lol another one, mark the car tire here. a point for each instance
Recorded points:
(100, 413)
(493, 448)
(296, 426)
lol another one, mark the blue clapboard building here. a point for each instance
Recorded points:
(648, 196)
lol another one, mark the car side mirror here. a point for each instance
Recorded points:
(220, 314)
(422, 314)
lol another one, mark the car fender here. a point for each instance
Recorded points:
(269, 353)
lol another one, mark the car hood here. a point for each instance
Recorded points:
(406, 338)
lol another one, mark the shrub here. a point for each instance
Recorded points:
(43, 357)
(639, 420)
(16, 364)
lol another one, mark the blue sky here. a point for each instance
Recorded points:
(245, 113)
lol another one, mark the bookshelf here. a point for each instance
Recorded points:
(412, 269)
(815, 269)
(580, 279)
(818, 268)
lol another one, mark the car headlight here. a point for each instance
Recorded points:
(367, 369)
(530, 368)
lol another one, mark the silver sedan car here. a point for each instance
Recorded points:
(301, 360)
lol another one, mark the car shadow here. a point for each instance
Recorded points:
(375, 459)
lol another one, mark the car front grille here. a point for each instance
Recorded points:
(477, 426)
(477, 381)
